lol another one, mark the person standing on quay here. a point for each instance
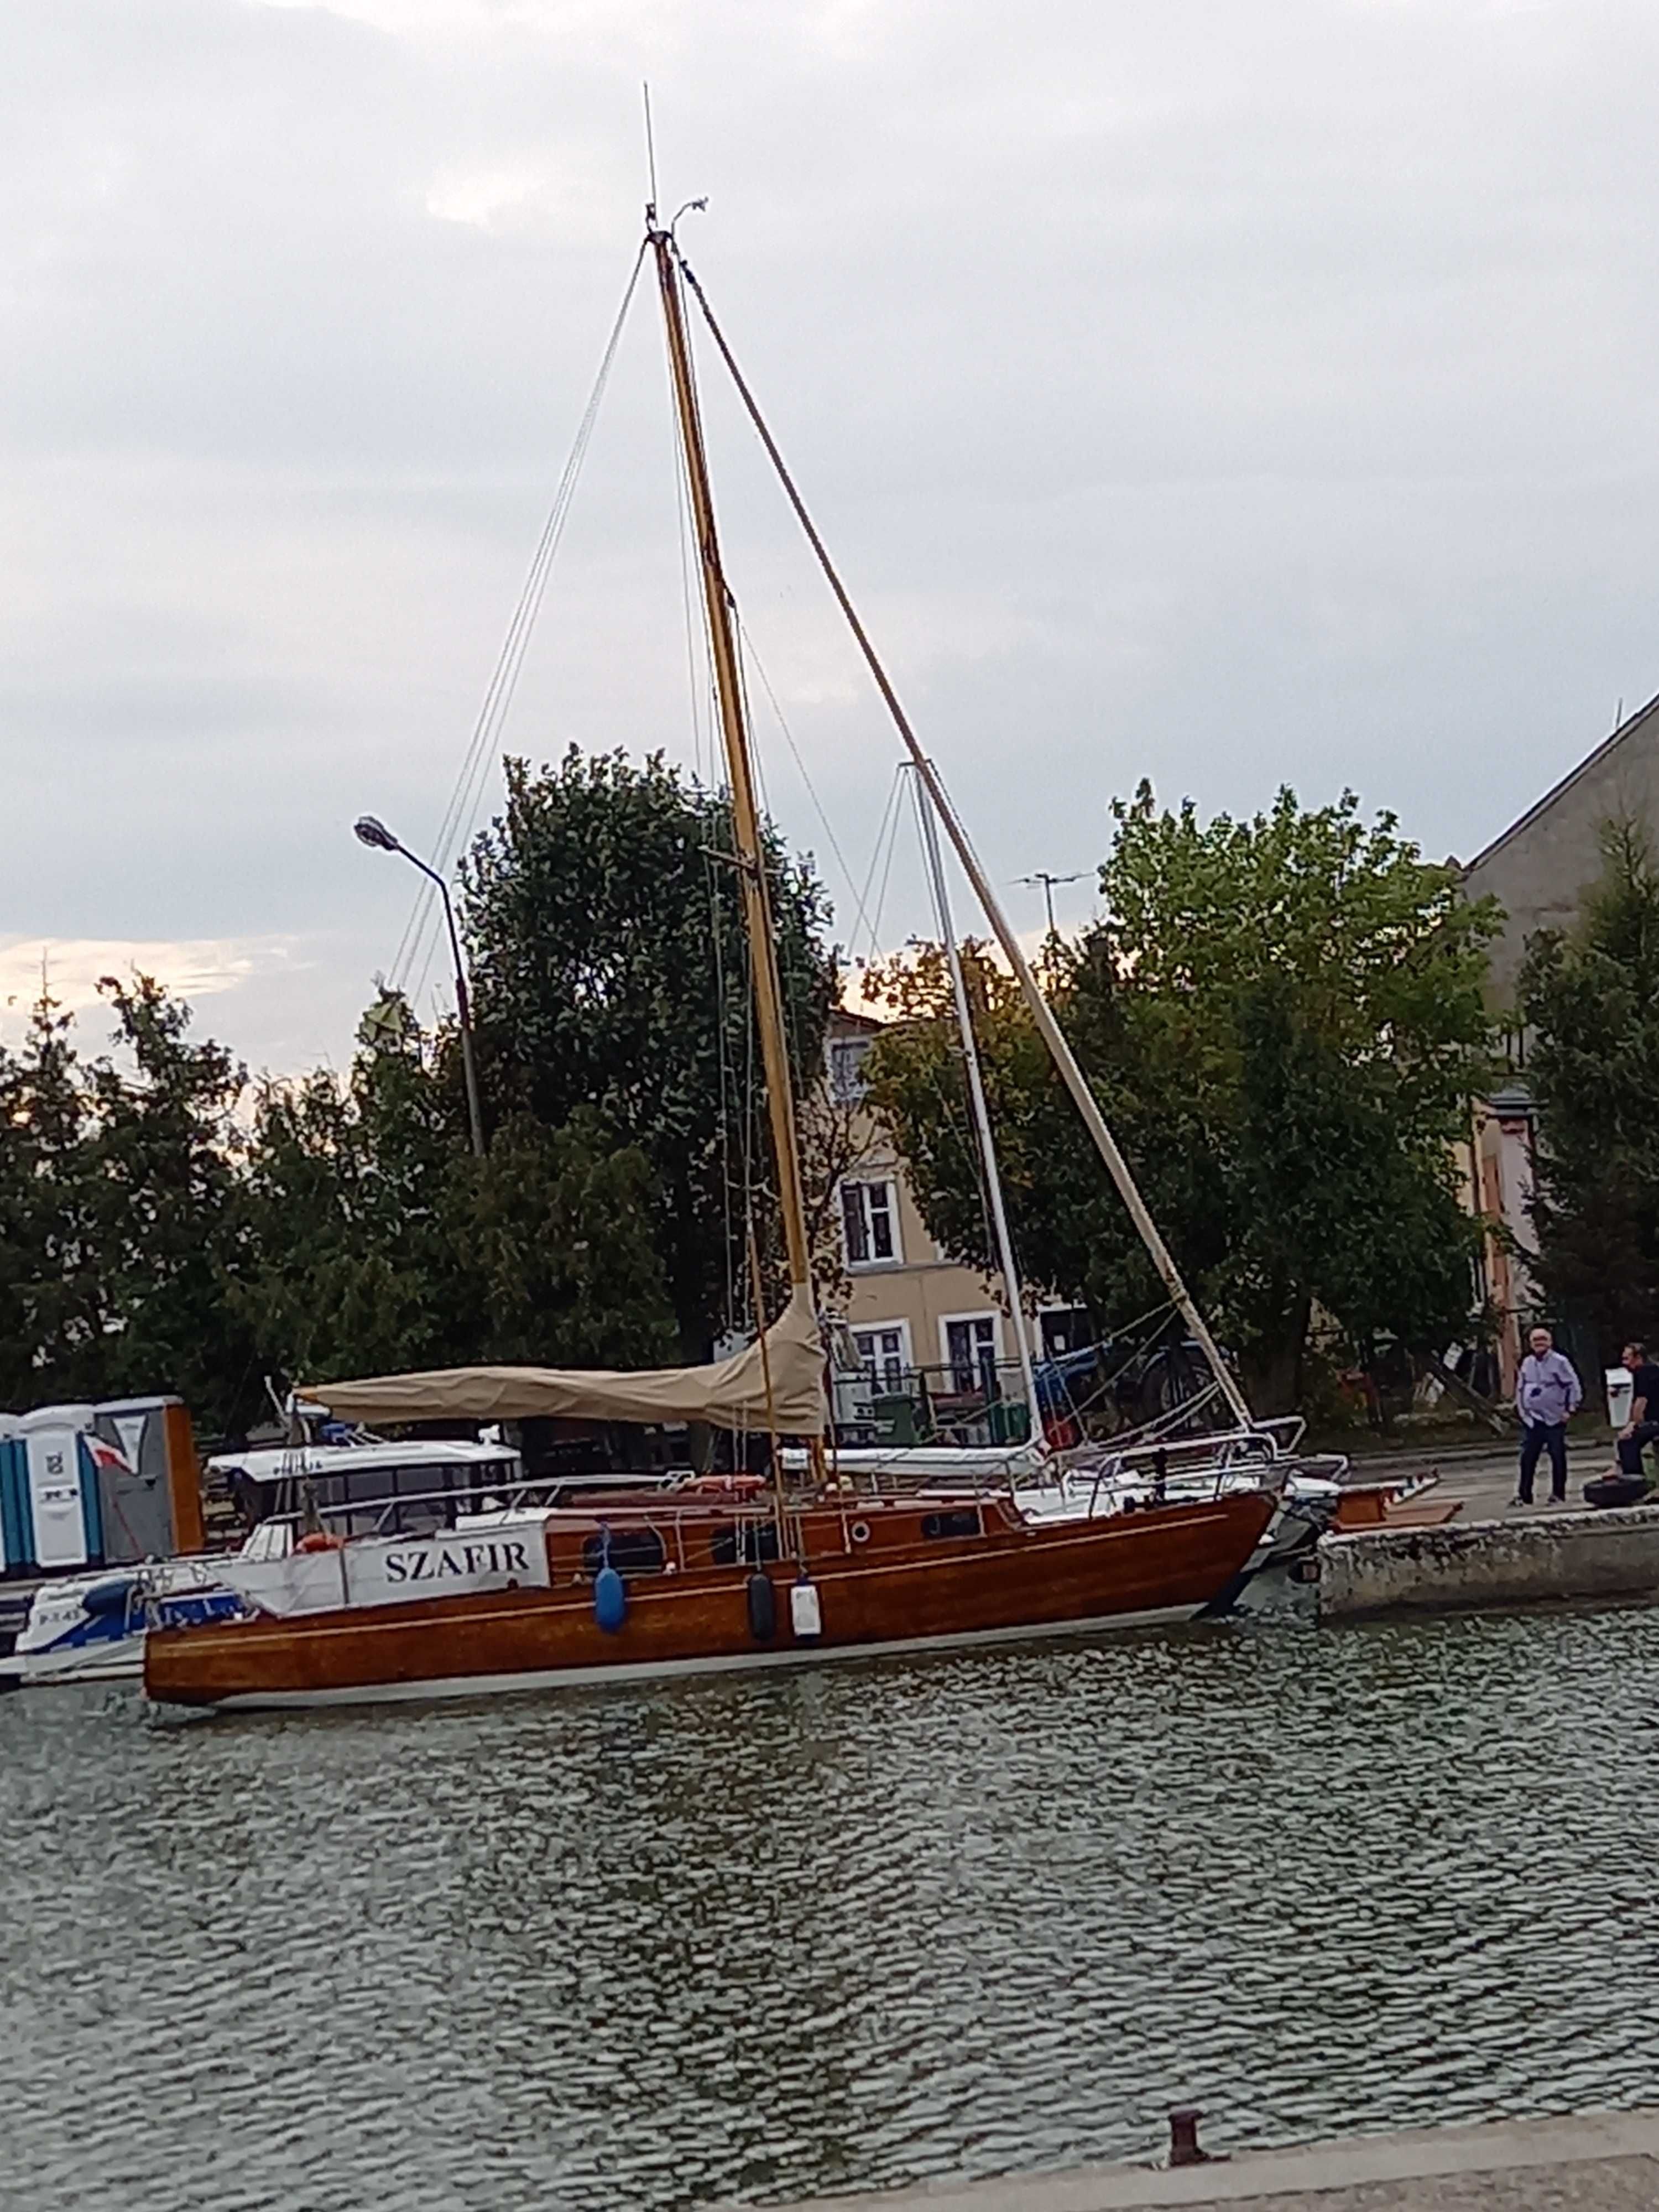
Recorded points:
(1643, 1425)
(1546, 1395)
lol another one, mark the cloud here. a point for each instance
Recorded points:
(70, 970)
(1230, 395)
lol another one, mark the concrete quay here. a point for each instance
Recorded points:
(1558, 1554)
(1598, 2162)
(1495, 1552)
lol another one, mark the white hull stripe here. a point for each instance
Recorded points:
(591, 1678)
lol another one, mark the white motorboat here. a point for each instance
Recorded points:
(92, 1627)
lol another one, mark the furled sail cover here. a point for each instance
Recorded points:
(732, 1393)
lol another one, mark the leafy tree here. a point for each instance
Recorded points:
(1593, 1062)
(52, 1301)
(162, 1167)
(379, 1243)
(1283, 1019)
(343, 1200)
(552, 1232)
(117, 1191)
(610, 978)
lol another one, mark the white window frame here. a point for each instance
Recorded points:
(864, 1183)
(874, 1371)
(991, 1314)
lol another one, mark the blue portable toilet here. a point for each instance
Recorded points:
(16, 1548)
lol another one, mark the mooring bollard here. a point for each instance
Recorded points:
(1183, 2137)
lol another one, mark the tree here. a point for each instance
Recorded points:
(118, 1210)
(1283, 1019)
(610, 978)
(552, 1234)
(1593, 1062)
(379, 1243)
(345, 1198)
(53, 1300)
(162, 1154)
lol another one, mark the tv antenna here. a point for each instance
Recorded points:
(1041, 876)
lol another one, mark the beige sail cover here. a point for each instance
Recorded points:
(732, 1393)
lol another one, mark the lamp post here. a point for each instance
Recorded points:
(370, 831)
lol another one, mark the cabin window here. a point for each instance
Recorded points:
(964, 1521)
(420, 1511)
(633, 1552)
(752, 1541)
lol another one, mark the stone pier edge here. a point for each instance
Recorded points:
(1519, 2148)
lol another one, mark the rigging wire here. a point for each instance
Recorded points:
(954, 1047)
(887, 868)
(749, 647)
(420, 936)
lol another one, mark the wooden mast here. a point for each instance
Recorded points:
(750, 857)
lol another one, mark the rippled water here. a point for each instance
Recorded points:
(681, 1943)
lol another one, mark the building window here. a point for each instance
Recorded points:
(970, 1352)
(847, 1057)
(885, 1355)
(869, 1213)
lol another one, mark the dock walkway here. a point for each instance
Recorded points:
(1599, 2162)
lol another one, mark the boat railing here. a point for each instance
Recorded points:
(667, 1519)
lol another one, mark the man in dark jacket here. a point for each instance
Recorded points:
(1642, 1426)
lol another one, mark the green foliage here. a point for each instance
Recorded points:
(1593, 1064)
(148, 1241)
(151, 1239)
(119, 1210)
(554, 1230)
(380, 1243)
(1283, 1020)
(610, 978)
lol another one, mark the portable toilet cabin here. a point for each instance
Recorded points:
(152, 1500)
(60, 1508)
(14, 1469)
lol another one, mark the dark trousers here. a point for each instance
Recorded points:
(1631, 1447)
(1550, 1436)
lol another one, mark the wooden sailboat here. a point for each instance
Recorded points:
(508, 1600)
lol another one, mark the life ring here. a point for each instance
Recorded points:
(320, 1541)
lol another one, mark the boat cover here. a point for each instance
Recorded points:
(731, 1393)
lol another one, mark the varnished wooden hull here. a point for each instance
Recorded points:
(1011, 1580)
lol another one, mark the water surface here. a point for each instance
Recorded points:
(675, 1944)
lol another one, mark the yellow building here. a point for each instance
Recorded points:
(910, 1309)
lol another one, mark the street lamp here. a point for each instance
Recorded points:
(370, 831)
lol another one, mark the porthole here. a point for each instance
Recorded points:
(859, 1532)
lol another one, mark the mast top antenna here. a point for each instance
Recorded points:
(650, 159)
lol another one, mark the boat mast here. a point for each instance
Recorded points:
(982, 1118)
(750, 856)
(1053, 1035)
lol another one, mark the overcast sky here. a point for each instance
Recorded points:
(1229, 391)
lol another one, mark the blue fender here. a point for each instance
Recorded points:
(609, 1600)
